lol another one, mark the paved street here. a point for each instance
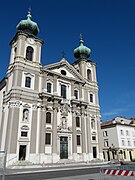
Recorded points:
(52, 174)
(70, 172)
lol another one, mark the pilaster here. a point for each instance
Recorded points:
(88, 135)
(33, 130)
(74, 140)
(55, 85)
(42, 130)
(54, 128)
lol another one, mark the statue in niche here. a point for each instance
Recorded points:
(25, 115)
(64, 123)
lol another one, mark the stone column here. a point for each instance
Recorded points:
(80, 91)
(15, 76)
(33, 138)
(44, 76)
(74, 143)
(99, 139)
(36, 84)
(83, 134)
(94, 73)
(55, 85)
(72, 89)
(21, 46)
(42, 130)
(12, 128)
(14, 132)
(38, 53)
(89, 150)
(9, 127)
(83, 128)
(54, 132)
(82, 69)
(1, 130)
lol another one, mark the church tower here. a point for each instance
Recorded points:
(23, 83)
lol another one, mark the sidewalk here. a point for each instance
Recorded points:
(51, 167)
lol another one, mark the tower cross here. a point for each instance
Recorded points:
(63, 54)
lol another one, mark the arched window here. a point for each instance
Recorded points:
(77, 122)
(89, 74)
(29, 53)
(49, 87)
(28, 82)
(48, 117)
(63, 91)
(25, 115)
(93, 123)
(76, 94)
(91, 98)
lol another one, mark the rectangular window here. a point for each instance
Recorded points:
(78, 140)
(123, 143)
(104, 133)
(49, 85)
(91, 98)
(127, 132)
(77, 122)
(121, 132)
(94, 138)
(48, 117)
(28, 82)
(63, 91)
(24, 133)
(76, 94)
(48, 138)
(134, 143)
(106, 144)
(129, 144)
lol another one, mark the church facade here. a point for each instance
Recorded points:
(48, 113)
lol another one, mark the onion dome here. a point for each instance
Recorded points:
(82, 51)
(28, 25)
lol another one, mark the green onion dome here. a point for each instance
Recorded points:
(82, 51)
(28, 25)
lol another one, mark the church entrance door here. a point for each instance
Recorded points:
(63, 147)
(22, 152)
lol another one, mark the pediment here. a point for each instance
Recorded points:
(63, 66)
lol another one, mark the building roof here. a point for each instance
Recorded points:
(118, 121)
(3, 83)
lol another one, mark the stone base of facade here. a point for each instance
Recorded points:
(43, 159)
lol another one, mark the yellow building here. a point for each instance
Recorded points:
(118, 140)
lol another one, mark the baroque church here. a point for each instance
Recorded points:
(48, 113)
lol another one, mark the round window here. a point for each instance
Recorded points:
(63, 72)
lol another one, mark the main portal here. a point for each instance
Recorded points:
(63, 147)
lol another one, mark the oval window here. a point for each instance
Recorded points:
(63, 72)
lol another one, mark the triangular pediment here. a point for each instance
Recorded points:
(61, 66)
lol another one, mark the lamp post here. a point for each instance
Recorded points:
(114, 151)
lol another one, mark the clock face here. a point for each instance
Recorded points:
(31, 41)
(88, 64)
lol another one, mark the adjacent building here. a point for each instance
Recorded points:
(48, 113)
(118, 138)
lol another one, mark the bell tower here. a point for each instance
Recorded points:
(23, 83)
(83, 65)
(25, 53)
(26, 46)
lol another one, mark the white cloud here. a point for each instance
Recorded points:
(109, 113)
(114, 112)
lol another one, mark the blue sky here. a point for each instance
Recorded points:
(108, 28)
